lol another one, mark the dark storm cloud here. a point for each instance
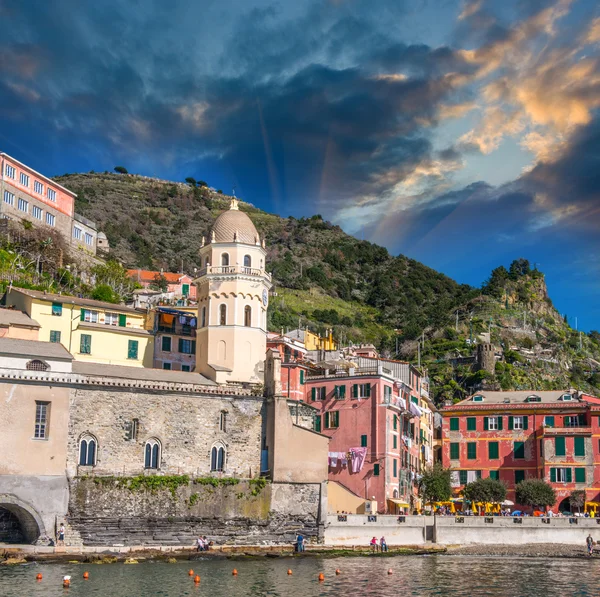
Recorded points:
(296, 87)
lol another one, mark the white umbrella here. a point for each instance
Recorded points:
(507, 503)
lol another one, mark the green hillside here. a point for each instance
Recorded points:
(152, 224)
(326, 279)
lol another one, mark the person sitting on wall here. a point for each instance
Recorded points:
(374, 544)
(383, 545)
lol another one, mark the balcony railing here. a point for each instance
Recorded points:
(233, 269)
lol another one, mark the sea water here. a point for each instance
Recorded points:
(423, 576)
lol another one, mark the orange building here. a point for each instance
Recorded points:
(178, 284)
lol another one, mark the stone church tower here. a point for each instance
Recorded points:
(233, 293)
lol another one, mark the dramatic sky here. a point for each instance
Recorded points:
(461, 133)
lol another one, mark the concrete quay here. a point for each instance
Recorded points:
(356, 529)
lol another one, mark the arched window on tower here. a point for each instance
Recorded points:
(248, 316)
(87, 450)
(217, 459)
(223, 315)
(224, 259)
(247, 262)
(203, 317)
(152, 454)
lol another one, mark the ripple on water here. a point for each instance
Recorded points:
(417, 576)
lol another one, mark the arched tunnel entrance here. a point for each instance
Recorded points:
(19, 522)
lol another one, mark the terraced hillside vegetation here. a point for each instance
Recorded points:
(324, 277)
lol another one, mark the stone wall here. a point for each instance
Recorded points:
(186, 425)
(245, 513)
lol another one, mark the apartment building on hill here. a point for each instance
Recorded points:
(28, 195)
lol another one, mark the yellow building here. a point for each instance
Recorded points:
(91, 331)
(427, 424)
(313, 341)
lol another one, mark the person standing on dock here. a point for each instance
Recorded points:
(590, 545)
(61, 534)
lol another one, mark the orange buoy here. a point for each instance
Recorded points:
(289, 572)
(234, 573)
(338, 572)
(66, 584)
(321, 577)
(191, 573)
(39, 576)
(390, 571)
(196, 579)
(86, 575)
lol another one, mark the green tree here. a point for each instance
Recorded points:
(160, 283)
(202, 183)
(485, 490)
(121, 170)
(191, 181)
(103, 292)
(435, 484)
(519, 267)
(535, 492)
(114, 275)
(577, 499)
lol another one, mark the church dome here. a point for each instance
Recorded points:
(234, 225)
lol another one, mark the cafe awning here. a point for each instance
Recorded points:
(399, 503)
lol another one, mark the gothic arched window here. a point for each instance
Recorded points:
(248, 316)
(152, 454)
(223, 315)
(217, 459)
(87, 450)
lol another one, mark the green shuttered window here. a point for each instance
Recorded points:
(495, 475)
(579, 446)
(454, 451)
(471, 450)
(462, 475)
(317, 422)
(471, 424)
(579, 475)
(85, 344)
(363, 441)
(454, 424)
(519, 476)
(122, 320)
(493, 452)
(559, 446)
(132, 349)
(376, 470)
(519, 450)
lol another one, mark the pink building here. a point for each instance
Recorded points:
(374, 422)
(28, 195)
(294, 367)
(179, 284)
